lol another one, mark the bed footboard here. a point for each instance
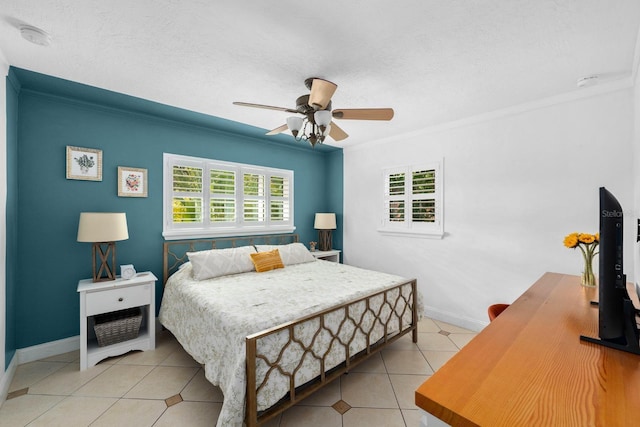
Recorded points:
(313, 351)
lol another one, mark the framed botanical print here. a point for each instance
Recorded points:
(132, 182)
(84, 163)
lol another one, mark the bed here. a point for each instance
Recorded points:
(269, 339)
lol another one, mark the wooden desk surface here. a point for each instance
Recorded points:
(529, 367)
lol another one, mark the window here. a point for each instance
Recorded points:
(205, 198)
(412, 202)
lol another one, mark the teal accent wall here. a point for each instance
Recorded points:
(334, 195)
(53, 114)
(11, 280)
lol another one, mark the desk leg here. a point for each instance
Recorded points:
(428, 420)
(423, 418)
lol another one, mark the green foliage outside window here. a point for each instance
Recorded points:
(187, 180)
(276, 186)
(223, 182)
(187, 209)
(253, 184)
(424, 181)
(396, 184)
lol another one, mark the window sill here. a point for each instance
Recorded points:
(434, 234)
(198, 233)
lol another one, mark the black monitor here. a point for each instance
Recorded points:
(617, 327)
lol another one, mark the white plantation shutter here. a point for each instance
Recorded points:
(204, 198)
(412, 200)
(187, 193)
(396, 195)
(279, 199)
(222, 205)
(254, 198)
(423, 190)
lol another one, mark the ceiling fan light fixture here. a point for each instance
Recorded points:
(316, 123)
(313, 140)
(322, 117)
(294, 124)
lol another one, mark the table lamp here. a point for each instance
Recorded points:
(103, 229)
(325, 222)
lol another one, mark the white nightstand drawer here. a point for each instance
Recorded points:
(117, 299)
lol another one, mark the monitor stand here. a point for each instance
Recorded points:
(635, 310)
(630, 331)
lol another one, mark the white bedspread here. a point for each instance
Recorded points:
(211, 318)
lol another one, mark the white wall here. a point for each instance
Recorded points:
(4, 69)
(516, 182)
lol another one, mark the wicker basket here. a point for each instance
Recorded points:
(117, 326)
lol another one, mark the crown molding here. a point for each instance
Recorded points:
(575, 95)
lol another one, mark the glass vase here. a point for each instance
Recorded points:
(588, 278)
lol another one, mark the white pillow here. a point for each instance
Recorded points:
(293, 253)
(220, 262)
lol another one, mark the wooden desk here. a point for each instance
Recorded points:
(529, 367)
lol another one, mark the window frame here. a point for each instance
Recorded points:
(408, 227)
(239, 226)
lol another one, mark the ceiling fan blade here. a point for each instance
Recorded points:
(321, 93)
(364, 114)
(278, 130)
(336, 133)
(268, 107)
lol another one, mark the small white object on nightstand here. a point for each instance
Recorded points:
(127, 271)
(106, 297)
(330, 255)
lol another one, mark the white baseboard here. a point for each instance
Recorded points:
(455, 319)
(30, 354)
(7, 377)
(52, 348)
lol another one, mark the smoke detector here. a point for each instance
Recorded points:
(35, 35)
(588, 81)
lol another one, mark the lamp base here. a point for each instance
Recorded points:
(324, 240)
(101, 251)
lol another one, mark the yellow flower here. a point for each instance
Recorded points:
(571, 240)
(586, 238)
(588, 245)
(583, 240)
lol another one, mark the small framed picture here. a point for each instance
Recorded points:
(84, 163)
(132, 182)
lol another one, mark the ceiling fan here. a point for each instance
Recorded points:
(316, 121)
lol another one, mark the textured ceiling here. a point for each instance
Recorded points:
(433, 61)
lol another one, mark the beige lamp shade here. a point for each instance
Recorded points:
(102, 227)
(325, 221)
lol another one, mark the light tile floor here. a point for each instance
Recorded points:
(166, 387)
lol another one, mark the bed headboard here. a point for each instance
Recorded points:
(174, 252)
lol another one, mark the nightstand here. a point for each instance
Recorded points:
(330, 255)
(114, 295)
